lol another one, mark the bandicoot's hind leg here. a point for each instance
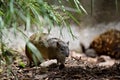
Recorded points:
(29, 54)
(32, 63)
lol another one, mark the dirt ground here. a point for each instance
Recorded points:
(77, 67)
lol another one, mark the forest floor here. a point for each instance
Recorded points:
(77, 67)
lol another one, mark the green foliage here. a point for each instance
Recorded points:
(18, 12)
(21, 64)
(8, 56)
(35, 53)
(28, 12)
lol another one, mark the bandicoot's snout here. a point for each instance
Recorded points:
(67, 52)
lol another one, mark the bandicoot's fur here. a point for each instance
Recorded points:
(52, 48)
(107, 43)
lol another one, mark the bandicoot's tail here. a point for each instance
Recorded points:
(89, 51)
(82, 48)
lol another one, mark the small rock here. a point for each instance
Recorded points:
(48, 63)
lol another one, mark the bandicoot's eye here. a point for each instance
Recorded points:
(62, 48)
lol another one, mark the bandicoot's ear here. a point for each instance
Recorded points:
(58, 44)
(68, 43)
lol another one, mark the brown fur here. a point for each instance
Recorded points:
(49, 48)
(107, 43)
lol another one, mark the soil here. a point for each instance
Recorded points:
(76, 68)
